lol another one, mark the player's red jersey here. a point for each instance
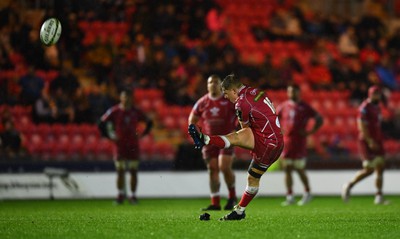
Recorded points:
(218, 115)
(370, 114)
(294, 118)
(125, 124)
(253, 107)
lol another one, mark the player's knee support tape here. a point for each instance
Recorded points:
(256, 170)
(251, 190)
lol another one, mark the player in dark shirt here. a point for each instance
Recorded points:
(124, 119)
(294, 114)
(370, 143)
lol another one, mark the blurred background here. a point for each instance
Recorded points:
(51, 97)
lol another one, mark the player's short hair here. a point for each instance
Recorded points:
(215, 76)
(231, 81)
(128, 92)
(295, 87)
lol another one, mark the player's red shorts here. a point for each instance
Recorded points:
(211, 151)
(266, 151)
(367, 153)
(294, 148)
(128, 152)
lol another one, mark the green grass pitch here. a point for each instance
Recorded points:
(324, 217)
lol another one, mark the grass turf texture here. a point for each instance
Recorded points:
(324, 217)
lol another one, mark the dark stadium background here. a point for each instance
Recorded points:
(165, 50)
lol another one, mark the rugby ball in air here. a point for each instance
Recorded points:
(50, 31)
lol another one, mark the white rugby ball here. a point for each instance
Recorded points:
(50, 31)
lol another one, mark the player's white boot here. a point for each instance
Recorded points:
(289, 200)
(379, 200)
(346, 192)
(305, 199)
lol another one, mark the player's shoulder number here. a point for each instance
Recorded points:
(266, 100)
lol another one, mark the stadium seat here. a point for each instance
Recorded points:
(45, 130)
(88, 130)
(60, 149)
(75, 149)
(33, 144)
(145, 105)
(58, 129)
(89, 149)
(105, 150)
(163, 151)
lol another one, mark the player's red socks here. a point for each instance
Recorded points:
(246, 199)
(248, 195)
(215, 200)
(219, 141)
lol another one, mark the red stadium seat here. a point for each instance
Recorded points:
(88, 130)
(75, 150)
(89, 149)
(45, 130)
(33, 144)
(105, 150)
(72, 129)
(170, 122)
(163, 151)
(145, 105)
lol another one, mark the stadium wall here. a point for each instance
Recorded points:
(176, 184)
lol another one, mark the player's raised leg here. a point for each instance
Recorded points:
(243, 138)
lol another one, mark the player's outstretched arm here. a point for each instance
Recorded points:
(149, 126)
(319, 121)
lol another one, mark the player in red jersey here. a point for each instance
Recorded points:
(260, 133)
(370, 144)
(120, 124)
(294, 115)
(217, 115)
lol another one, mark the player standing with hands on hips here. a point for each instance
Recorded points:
(218, 117)
(294, 115)
(370, 144)
(120, 124)
(260, 133)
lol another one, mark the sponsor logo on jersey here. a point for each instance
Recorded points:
(223, 102)
(253, 92)
(214, 111)
(261, 93)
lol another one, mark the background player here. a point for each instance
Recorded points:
(370, 144)
(294, 115)
(260, 133)
(120, 124)
(218, 117)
